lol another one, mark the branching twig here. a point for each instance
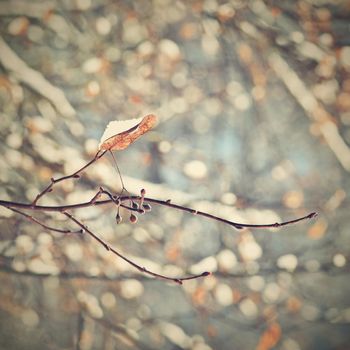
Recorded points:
(141, 207)
(35, 220)
(237, 225)
(140, 268)
(75, 175)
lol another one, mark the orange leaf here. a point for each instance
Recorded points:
(120, 134)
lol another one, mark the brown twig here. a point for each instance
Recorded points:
(132, 263)
(118, 201)
(35, 220)
(74, 175)
(237, 225)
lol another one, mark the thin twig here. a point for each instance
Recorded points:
(118, 201)
(237, 225)
(115, 164)
(35, 220)
(132, 263)
(75, 175)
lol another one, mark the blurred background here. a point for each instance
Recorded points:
(253, 101)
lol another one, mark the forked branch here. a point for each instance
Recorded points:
(139, 267)
(75, 175)
(135, 204)
(119, 200)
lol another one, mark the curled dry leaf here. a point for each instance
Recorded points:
(120, 134)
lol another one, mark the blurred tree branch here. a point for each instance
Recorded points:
(34, 79)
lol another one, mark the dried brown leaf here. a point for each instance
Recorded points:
(120, 134)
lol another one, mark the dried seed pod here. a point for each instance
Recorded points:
(120, 134)
(147, 207)
(133, 218)
(118, 218)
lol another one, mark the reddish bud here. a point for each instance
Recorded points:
(143, 192)
(133, 218)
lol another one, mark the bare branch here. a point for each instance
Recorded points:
(138, 267)
(35, 220)
(74, 175)
(141, 207)
(237, 225)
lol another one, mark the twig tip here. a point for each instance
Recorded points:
(313, 215)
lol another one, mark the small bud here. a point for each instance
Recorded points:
(133, 218)
(116, 200)
(76, 176)
(147, 207)
(118, 218)
(143, 192)
(134, 205)
(141, 211)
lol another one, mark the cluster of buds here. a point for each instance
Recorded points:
(136, 207)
